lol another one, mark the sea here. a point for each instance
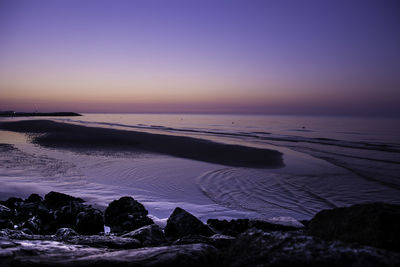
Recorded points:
(328, 162)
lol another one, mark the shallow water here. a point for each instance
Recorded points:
(329, 162)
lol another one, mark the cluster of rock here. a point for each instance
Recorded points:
(61, 229)
(44, 216)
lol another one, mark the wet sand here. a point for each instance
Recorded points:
(63, 135)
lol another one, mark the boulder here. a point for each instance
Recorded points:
(258, 248)
(126, 214)
(182, 223)
(34, 198)
(12, 202)
(89, 222)
(375, 224)
(56, 200)
(65, 232)
(149, 235)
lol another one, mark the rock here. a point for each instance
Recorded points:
(375, 224)
(26, 211)
(191, 255)
(192, 239)
(221, 241)
(149, 235)
(5, 213)
(6, 224)
(238, 226)
(33, 198)
(44, 253)
(266, 226)
(89, 222)
(56, 200)
(109, 241)
(231, 228)
(12, 202)
(33, 224)
(65, 216)
(258, 248)
(65, 232)
(126, 214)
(26, 231)
(182, 223)
(217, 240)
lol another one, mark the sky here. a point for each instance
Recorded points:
(315, 57)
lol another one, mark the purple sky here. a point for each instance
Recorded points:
(278, 57)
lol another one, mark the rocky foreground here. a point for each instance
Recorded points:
(63, 230)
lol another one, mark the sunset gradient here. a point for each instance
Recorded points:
(275, 57)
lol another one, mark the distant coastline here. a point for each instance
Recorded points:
(10, 113)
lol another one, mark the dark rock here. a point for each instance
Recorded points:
(44, 253)
(33, 224)
(5, 213)
(182, 223)
(89, 222)
(113, 242)
(56, 200)
(26, 231)
(217, 240)
(29, 210)
(34, 198)
(65, 216)
(232, 227)
(258, 248)
(149, 235)
(221, 241)
(192, 239)
(268, 226)
(66, 232)
(236, 227)
(126, 214)
(12, 202)
(6, 224)
(375, 224)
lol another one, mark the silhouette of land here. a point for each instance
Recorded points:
(10, 113)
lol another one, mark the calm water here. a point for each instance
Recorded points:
(329, 162)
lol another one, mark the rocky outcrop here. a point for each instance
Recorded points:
(375, 224)
(188, 241)
(56, 211)
(259, 248)
(181, 223)
(126, 214)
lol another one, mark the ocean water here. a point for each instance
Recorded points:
(329, 162)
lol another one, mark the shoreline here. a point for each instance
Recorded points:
(64, 135)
